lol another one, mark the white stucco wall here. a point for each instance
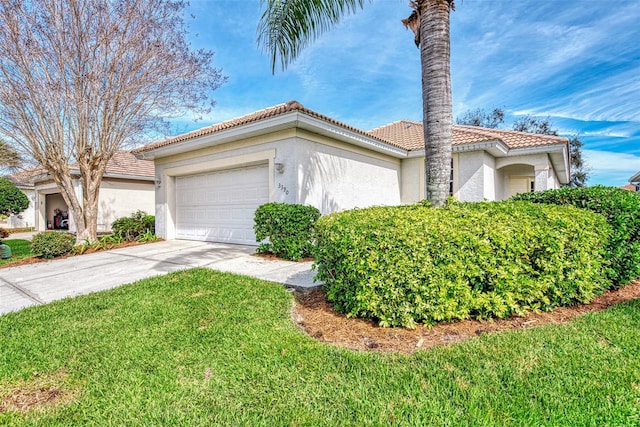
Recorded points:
(489, 180)
(334, 179)
(471, 176)
(412, 180)
(121, 198)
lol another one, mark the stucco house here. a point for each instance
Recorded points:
(127, 186)
(634, 182)
(210, 181)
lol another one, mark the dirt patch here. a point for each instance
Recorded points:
(317, 318)
(38, 393)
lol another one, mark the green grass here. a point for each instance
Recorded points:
(201, 348)
(19, 249)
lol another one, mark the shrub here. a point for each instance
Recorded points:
(413, 264)
(622, 211)
(135, 225)
(12, 200)
(50, 244)
(4, 233)
(288, 228)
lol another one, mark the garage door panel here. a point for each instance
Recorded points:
(220, 206)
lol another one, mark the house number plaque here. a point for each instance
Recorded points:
(284, 189)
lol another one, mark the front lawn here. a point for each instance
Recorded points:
(20, 248)
(204, 348)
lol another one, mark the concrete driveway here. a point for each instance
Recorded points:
(44, 282)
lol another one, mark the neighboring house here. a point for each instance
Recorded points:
(630, 187)
(634, 181)
(210, 181)
(127, 186)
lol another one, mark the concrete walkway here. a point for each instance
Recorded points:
(44, 282)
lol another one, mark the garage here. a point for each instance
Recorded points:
(219, 206)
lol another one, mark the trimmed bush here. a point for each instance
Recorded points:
(621, 208)
(12, 199)
(288, 228)
(50, 244)
(413, 264)
(134, 226)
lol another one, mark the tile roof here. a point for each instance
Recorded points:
(629, 187)
(125, 163)
(27, 177)
(404, 134)
(122, 163)
(409, 135)
(280, 109)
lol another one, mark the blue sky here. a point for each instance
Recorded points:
(577, 62)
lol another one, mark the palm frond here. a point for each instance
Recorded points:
(288, 26)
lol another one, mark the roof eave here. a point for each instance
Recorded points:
(635, 179)
(495, 147)
(289, 120)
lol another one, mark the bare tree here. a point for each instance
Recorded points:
(80, 79)
(482, 118)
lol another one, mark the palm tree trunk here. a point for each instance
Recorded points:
(436, 98)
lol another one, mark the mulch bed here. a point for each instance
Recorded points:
(317, 318)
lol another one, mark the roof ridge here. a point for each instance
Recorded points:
(479, 129)
(286, 107)
(415, 122)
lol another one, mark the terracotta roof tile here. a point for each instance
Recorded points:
(403, 134)
(27, 177)
(122, 163)
(409, 135)
(287, 107)
(125, 163)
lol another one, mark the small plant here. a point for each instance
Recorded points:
(85, 246)
(147, 237)
(50, 244)
(130, 228)
(5, 251)
(288, 228)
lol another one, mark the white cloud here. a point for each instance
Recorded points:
(609, 168)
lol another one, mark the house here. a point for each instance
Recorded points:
(127, 186)
(210, 181)
(634, 182)
(630, 187)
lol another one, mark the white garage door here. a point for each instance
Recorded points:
(219, 206)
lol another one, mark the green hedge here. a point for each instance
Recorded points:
(407, 265)
(50, 244)
(133, 227)
(288, 228)
(622, 210)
